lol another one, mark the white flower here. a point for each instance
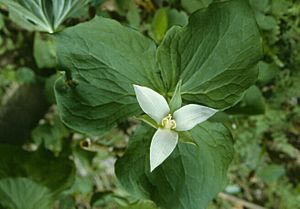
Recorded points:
(165, 138)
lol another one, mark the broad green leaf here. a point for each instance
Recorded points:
(193, 5)
(214, 55)
(189, 178)
(105, 59)
(42, 15)
(56, 173)
(23, 193)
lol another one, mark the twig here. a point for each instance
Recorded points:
(239, 201)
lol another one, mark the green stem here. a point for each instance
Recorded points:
(69, 79)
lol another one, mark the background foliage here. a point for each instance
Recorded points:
(265, 123)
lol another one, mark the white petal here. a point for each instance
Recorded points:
(163, 143)
(152, 103)
(187, 117)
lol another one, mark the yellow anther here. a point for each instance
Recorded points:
(168, 122)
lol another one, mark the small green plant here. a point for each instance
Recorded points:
(214, 57)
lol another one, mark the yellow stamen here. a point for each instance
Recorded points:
(168, 122)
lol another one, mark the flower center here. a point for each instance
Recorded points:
(168, 122)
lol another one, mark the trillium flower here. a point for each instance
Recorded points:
(168, 125)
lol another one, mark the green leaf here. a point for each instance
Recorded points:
(164, 19)
(186, 137)
(133, 15)
(49, 88)
(44, 51)
(141, 205)
(266, 22)
(99, 198)
(42, 15)
(23, 193)
(56, 173)
(260, 5)
(106, 58)
(214, 55)
(62, 9)
(97, 3)
(176, 101)
(67, 202)
(2, 23)
(147, 119)
(252, 103)
(267, 72)
(25, 75)
(159, 24)
(271, 173)
(176, 17)
(189, 178)
(28, 14)
(50, 134)
(122, 6)
(280, 7)
(193, 5)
